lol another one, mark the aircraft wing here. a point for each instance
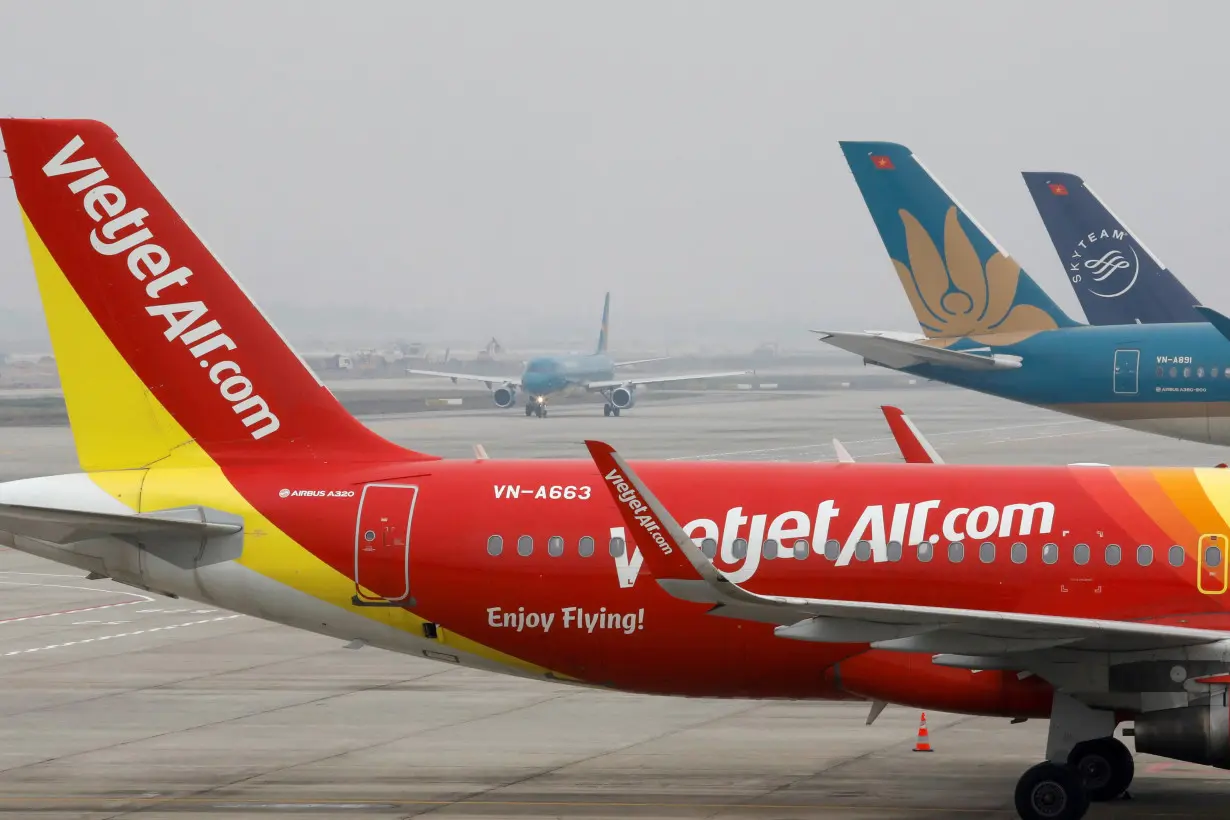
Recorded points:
(469, 377)
(607, 385)
(61, 526)
(641, 361)
(886, 350)
(684, 572)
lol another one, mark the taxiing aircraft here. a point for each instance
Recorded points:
(546, 376)
(216, 467)
(1117, 279)
(987, 326)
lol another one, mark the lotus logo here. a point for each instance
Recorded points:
(954, 296)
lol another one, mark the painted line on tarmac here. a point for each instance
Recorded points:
(77, 611)
(102, 638)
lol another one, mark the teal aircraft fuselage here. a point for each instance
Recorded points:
(549, 375)
(1172, 379)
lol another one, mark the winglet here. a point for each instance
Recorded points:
(915, 448)
(1218, 320)
(843, 455)
(667, 550)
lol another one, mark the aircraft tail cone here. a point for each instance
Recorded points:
(923, 744)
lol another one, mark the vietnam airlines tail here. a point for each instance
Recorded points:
(985, 324)
(1116, 277)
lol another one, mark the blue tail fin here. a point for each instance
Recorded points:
(606, 318)
(1118, 280)
(960, 283)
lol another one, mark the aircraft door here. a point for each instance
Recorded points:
(1127, 371)
(382, 544)
(1211, 575)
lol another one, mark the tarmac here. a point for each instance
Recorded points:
(114, 704)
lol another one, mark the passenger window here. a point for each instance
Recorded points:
(495, 545)
(617, 547)
(1080, 554)
(1176, 556)
(585, 547)
(555, 546)
(800, 549)
(1212, 557)
(769, 549)
(740, 548)
(709, 548)
(1113, 555)
(926, 551)
(1199, 372)
(1174, 371)
(1020, 552)
(832, 549)
(1213, 373)
(1187, 372)
(1050, 553)
(986, 552)
(862, 550)
(1144, 555)
(956, 552)
(894, 551)
(525, 545)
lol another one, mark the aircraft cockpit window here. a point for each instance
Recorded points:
(1144, 555)
(862, 550)
(525, 545)
(1176, 556)
(1212, 557)
(709, 548)
(1080, 554)
(832, 549)
(739, 548)
(986, 552)
(555, 546)
(1050, 553)
(956, 552)
(894, 551)
(585, 547)
(926, 551)
(617, 547)
(1020, 552)
(495, 545)
(801, 550)
(1113, 555)
(769, 549)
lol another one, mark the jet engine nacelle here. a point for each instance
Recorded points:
(1197, 734)
(623, 397)
(504, 395)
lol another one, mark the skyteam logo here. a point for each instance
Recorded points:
(1105, 263)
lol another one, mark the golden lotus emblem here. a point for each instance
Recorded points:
(955, 296)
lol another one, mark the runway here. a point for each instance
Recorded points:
(115, 704)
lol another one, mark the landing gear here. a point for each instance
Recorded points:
(1050, 791)
(536, 407)
(1105, 766)
(1084, 762)
(609, 409)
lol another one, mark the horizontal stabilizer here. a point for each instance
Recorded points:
(899, 353)
(70, 526)
(1218, 320)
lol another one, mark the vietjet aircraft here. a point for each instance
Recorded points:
(214, 466)
(546, 376)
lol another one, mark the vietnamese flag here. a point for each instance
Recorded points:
(1058, 190)
(881, 162)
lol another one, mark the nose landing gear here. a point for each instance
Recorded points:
(536, 406)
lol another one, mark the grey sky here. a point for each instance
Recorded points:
(500, 164)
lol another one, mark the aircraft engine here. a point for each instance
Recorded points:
(1197, 734)
(623, 397)
(504, 395)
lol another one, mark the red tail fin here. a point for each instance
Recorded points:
(188, 331)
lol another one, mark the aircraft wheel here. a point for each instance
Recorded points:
(1106, 767)
(1049, 791)
(615, 411)
(542, 412)
(529, 409)
(606, 409)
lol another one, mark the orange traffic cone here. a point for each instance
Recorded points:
(924, 740)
